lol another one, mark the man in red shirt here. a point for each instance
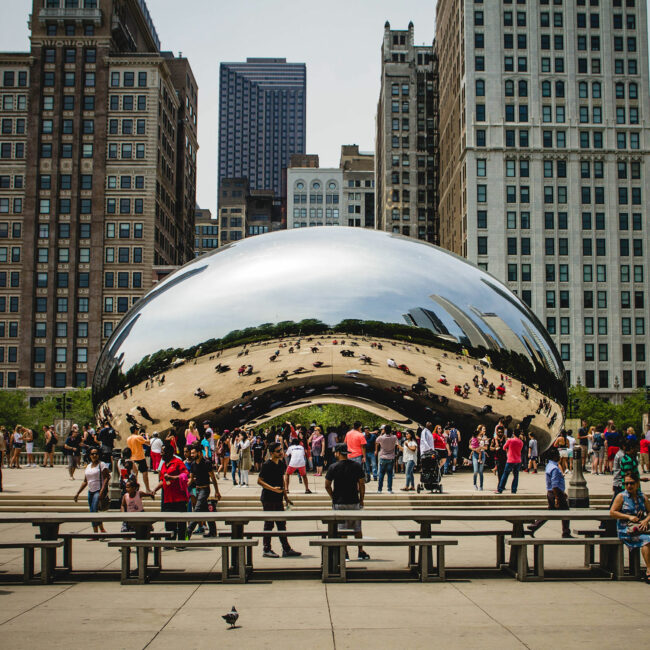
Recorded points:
(356, 442)
(173, 482)
(513, 447)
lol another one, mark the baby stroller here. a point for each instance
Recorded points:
(430, 477)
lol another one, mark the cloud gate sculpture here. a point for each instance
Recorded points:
(396, 326)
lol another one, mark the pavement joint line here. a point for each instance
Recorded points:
(505, 627)
(329, 613)
(56, 595)
(178, 609)
(625, 605)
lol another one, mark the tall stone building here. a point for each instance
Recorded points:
(406, 172)
(244, 212)
(98, 169)
(543, 150)
(262, 120)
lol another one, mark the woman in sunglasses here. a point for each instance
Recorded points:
(632, 510)
(96, 478)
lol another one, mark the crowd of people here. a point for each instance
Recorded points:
(186, 465)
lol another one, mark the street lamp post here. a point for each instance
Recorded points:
(114, 488)
(578, 490)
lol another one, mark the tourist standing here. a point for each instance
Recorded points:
(273, 497)
(297, 463)
(106, 438)
(385, 447)
(345, 484)
(72, 451)
(316, 440)
(96, 477)
(478, 456)
(356, 444)
(28, 438)
(410, 453)
(426, 439)
(598, 463)
(233, 446)
(136, 442)
(173, 482)
(371, 456)
(512, 447)
(533, 455)
(245, 458)
(16, 447)
(201, 476)
(156, 451)
(555, 492)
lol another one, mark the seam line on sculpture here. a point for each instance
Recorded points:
(505, 627)
(329, 613)
(47, 600)
(178, 609)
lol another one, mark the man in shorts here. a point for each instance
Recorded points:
(348, 490)
(297, 463)
(136, 442)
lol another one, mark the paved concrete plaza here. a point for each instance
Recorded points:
(280, 607)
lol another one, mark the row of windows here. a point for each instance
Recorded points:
(11, 205)
(11, 127)
(10, 150)
(125, 205)
(587, 139)
(128, 102)
(60, 355)
(127, 79)
(86, 150)
(69, 55)
(127, 127)
(69, 79)
(14, 102)
(70, 29)
(126, 150)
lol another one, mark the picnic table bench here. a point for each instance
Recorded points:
(141, 523)
(29, 546)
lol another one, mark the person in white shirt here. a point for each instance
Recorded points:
(156, 452)
(572, 443)
(297, 462)
(391, 363)
(426, 439)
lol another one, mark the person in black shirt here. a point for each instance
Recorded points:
(106, 438)
(201, 475)
(271, 479)
(348, 491)
(71, 450)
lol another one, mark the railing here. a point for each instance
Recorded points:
(77, 14)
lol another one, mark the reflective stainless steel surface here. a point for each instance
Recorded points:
(330, 314)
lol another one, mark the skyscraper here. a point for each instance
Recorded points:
(543, 156)
(405, 158)
(97, 175)
(262, 105)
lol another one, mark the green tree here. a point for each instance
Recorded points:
(13, 408)
(327, 415)
(596, 410)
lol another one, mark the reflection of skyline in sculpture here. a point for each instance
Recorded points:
(505, 336)
(422, 317)
(472, 335)
(386, 296)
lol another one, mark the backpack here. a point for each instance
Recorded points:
(597, 441)
(453, 437)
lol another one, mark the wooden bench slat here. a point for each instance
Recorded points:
(384, 542)
(460, 533)
(574, 541)
(33, 544)
(187, 543)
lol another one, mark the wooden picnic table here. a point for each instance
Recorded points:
(141, 522)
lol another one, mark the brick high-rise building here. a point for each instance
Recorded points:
(406, 175)
(544, 143)
(262, 121)
(97, 172)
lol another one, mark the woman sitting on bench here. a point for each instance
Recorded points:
(632, 510)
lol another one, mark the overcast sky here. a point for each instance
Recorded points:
(339, 40)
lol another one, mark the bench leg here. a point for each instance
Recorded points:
(28, 564)
(143, 574)
(538, 569)
(48, 561)
(126, 565)
(412, 561)
(225, 564)
(501, 550)
(425, 561)
(442, 570)
(241, 551)
(342, 550)
(324, 555)
(635, 562)
(249, 558)
(157, 558)
(67, 554)
(616, 564)
(522, 562)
